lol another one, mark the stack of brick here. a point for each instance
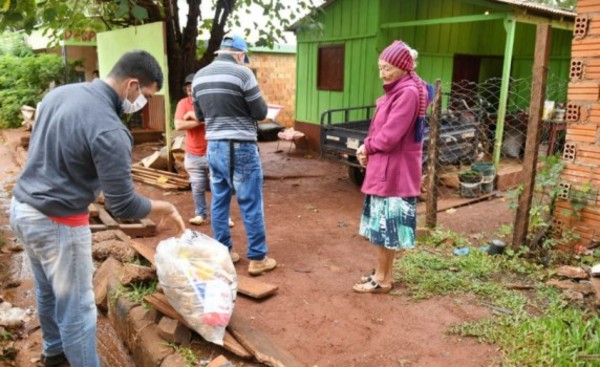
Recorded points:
(276, 75)
(580, 180)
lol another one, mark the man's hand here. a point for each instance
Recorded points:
(361, 155)
(168, 212)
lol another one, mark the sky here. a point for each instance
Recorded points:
(208, 12)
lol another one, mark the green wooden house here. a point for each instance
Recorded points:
(457, 40)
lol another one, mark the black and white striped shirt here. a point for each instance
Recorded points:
(227, 97)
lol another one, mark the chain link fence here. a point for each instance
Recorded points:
(471, 135)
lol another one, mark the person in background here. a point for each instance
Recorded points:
(227, 97)
(196, 163)
(95, 75)
(79, 147)
(392, 154)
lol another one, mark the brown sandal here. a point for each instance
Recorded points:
(371, 286)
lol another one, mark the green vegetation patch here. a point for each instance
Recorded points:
(533, 327)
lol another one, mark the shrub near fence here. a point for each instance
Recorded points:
(25, 80)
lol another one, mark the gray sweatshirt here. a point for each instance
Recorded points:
(78, 147)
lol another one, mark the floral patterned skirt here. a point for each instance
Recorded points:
(390, 222)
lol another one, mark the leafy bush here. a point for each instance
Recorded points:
(25, 80)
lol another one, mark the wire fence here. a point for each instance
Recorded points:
(472, 139)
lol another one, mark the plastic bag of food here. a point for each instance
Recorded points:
(199, 280)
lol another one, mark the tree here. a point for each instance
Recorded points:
(567, 4)
(55, 16)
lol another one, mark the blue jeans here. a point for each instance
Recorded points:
(61, 261)
(197, 168)
(248, 181)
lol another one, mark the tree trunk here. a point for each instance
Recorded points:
(223, 9)
(182, 44)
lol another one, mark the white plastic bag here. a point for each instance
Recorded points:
(199, 280)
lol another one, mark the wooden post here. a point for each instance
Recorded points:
(432, 156)
(538, 95)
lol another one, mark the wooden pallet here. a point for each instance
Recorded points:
(101, 220)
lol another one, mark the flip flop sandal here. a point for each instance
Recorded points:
(367, 277)
(371, 286)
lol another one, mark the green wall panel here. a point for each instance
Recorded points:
(357, 24)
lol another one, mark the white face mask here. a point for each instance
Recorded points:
(138, 104)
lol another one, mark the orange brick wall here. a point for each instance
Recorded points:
(276, 74)
(582, 148)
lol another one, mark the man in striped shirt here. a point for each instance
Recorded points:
(227, 98)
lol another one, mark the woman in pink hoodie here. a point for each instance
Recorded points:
(392, 154)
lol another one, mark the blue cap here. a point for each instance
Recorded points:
(237, 43)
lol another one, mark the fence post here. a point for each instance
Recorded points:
(510, 25)
(432, 156)
(538, 95)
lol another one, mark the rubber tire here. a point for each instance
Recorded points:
(357, 175)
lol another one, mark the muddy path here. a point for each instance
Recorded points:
(312, 214)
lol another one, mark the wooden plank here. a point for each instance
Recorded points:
(122, 236)
(158, 172)
(147, 251)
(160, 302)
(165, 186)
(254, 288)
(154, 176)
(454, 203)
(93, 210)
(137, 230)
(98, 227)
(106, 218)
(220, 361)
(265, 348)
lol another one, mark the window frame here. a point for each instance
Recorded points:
(331, 62)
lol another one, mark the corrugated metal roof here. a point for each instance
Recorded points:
(542, 8)
(525, 4)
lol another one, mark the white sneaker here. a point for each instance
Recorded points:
(198, 220)
(231, 224)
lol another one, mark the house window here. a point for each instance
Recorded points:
(331, 68)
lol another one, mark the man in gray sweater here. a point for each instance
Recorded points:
(79, 147)
(227, 98)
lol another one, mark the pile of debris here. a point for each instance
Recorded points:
(578, 284)
(154, 169)
(122, 266)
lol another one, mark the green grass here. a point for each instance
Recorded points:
(532, 328)
(189, 357)
(137, 292)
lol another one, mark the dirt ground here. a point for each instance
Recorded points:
(312, 214)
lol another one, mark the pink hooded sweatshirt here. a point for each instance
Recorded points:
(394, 155)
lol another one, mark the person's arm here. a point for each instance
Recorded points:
(168, 212)
(399, 122)
(185, 120)
(112, 159)
(256, 103)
